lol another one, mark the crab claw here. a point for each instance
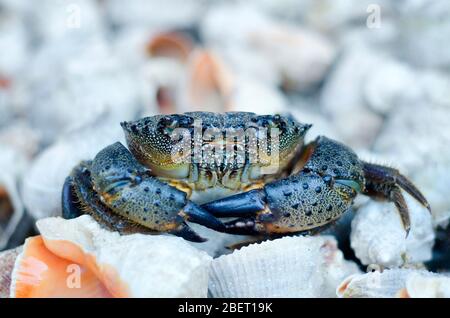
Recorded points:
(120, 193)
(297, 204)
(319, 193)
(239, 205)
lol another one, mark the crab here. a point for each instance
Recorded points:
(202, 167)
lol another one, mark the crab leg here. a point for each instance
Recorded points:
(78, 189)
(121, 194)
(385, 183)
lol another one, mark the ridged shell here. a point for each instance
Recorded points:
(286, 267)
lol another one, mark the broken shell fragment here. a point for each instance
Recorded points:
(420, 286)
(395, 283)
(378, 236)
(288, 267)
(107, 264)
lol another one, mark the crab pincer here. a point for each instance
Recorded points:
(122, 194)
(315, 194)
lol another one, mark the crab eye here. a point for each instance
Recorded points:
(269, 122)
(167, 124)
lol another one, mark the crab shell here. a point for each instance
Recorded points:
(155, 140)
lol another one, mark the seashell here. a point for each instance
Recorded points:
(419, 286)
(161, 80)
(7, 260)
(171, 44)
(11, 207)
(378, 236)
(249, 92)
(394, 283)
(287, 267)
(208, 84)
(107, 264)
(218, 243)
(43, 183)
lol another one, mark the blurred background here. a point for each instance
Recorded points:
(372, 74)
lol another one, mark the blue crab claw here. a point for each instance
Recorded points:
(297, 204)
(121, 194)
(240, 205)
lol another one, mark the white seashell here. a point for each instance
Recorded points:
(287, 267)
(250, 92)
(394, 283)
(127, 265)
(378, 236)
(419, 286)
(43, 183)
(218, 243)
